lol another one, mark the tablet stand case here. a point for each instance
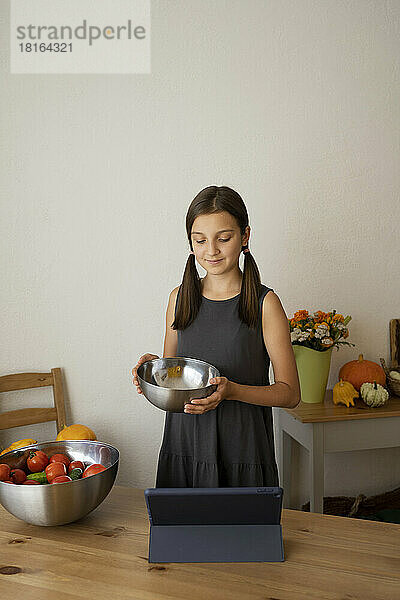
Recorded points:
(228, 542)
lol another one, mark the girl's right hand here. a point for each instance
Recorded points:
(142, 359)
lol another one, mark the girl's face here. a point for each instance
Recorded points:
(217, 242)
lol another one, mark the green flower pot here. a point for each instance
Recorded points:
(313, 369)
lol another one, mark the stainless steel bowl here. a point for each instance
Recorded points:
(60, 503)
(171, 393)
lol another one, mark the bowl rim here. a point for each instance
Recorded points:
(34, 446)
(159, 387)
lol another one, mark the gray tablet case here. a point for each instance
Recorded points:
(215, 524)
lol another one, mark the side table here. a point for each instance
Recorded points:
(327, 427)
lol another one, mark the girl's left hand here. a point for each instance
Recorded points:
(198, 406)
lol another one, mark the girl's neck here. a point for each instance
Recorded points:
(225, 288)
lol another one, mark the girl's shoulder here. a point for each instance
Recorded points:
(268, 297)
(175, 291)
(264, 290)
(174, 294)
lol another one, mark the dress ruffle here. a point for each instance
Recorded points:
(186, 472)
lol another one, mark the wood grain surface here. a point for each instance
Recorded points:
(104, 556)
(320, 412)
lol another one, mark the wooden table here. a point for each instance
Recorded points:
(104, 557)
(328, 427)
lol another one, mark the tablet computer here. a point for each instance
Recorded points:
(236, 524)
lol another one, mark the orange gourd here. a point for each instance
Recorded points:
(362, 371)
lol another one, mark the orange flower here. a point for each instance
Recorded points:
(338, 317)
(301, 315)
(319, 316)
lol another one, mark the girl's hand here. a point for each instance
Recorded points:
(198, 406)
(142, 359)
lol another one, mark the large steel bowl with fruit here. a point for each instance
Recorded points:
(53, 483)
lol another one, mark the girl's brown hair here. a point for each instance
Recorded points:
(214, 199)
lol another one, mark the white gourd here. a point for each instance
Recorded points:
(374, 394)
(395, 375)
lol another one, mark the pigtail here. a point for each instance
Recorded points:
(189, 298)
(250, 291)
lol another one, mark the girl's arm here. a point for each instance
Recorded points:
(285, 392)
(171, 335)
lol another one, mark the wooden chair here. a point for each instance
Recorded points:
(29, 416)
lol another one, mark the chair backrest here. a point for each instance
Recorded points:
(29, 416)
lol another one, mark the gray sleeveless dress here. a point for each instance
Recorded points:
(232, 445)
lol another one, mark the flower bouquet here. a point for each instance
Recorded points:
(320, 331)
(313, 338)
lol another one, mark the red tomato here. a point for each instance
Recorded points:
(4, 472)
(76, 464)
(18, 476)
(61, 479)
(9, 481)
(31, 482)
(37, 461)
(55, 469)
(93, 470)
(62, 458)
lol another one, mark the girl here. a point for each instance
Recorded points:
(234, 322)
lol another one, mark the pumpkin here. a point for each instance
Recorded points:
(19, 444)
(374, 394)
(362, 371)
(76, 432)
(394, 375)
(344, 393)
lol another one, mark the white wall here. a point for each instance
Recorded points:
(293, 104)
